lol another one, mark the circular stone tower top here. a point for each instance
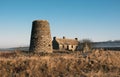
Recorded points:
(40, 37)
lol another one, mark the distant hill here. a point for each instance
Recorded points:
(15, 48)
(107, 44)
(19, 48)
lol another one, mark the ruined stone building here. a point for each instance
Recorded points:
(65, 44)
(41, 40)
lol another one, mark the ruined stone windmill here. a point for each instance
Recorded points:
(40, 37)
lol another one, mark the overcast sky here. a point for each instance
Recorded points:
(98, 20)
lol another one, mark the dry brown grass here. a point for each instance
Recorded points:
(96, 64)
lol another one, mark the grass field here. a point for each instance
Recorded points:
(99, 63)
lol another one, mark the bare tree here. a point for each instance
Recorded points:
(85, 45)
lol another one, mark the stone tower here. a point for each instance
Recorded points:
(40, 37)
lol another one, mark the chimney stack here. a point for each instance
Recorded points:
(76, 39)
(63, 37)
(54, 38)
